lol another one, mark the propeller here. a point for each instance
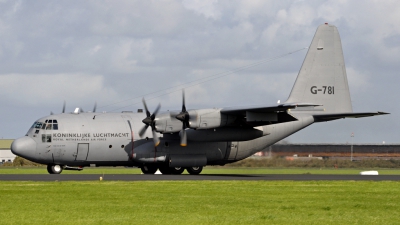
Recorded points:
(149, 121)
(184, 117)
(95, 107)
(63, 110)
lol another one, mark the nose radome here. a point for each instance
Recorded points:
(24, 147)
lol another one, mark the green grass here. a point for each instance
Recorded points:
(200, 202)
(207, 170)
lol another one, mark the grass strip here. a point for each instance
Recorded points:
(200, 202)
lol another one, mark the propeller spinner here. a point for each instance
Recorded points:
(149, 121)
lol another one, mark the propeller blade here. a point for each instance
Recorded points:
(95, 106)
(143, 130)
(155, 139)
(153, 116)
(183, 138)
(63, 109)
(145, 107)
(183, 101)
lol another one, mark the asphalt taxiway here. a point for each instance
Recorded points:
(216, 177)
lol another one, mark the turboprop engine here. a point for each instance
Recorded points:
(198, 119)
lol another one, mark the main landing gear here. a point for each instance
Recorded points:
(54, 169)
(171, 170)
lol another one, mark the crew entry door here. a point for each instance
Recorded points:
(83, 151)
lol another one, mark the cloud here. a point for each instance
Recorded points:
(207, 8)
(42, 89)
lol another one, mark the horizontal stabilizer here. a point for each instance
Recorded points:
(335, 116)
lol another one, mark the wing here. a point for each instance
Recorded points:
(264, 115)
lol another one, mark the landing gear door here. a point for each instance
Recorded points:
(83, 151)
(233, 152)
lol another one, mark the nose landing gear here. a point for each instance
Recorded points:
(54, 169)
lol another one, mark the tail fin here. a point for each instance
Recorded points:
(322, 78)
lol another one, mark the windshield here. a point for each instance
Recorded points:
(37, 125)
(48, 125)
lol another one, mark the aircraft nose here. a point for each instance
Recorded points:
(24, 147)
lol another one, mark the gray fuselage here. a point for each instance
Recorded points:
(105, 139)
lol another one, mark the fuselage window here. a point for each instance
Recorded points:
(55, 126)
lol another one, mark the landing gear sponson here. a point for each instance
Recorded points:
(171, 170)
(57, 169)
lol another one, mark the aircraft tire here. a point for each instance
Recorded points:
(54, 169)
(177, 170)
(149, 169)
(196, 170)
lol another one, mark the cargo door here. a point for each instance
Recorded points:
(82, 153)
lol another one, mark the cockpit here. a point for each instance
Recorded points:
(47, 125)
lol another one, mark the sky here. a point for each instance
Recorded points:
(224, 53)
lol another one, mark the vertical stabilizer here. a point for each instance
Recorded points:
(322, 78)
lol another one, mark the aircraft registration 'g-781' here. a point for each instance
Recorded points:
(192, 139)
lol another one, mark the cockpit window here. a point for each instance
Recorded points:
(37, 125)
(48, 126)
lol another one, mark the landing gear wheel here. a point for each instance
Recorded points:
(54, 169)
(196, 170)
(177, 170)
(149, 169)
(165, 170)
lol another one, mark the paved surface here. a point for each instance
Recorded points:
(136, 177)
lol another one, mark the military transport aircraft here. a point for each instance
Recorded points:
(192, 139)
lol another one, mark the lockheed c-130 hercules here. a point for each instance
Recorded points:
(192, 139)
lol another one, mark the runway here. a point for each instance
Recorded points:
(214, 177)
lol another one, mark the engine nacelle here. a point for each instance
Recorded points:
(198, 119)
(167, 123)
(225, 134)
(208, 118)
